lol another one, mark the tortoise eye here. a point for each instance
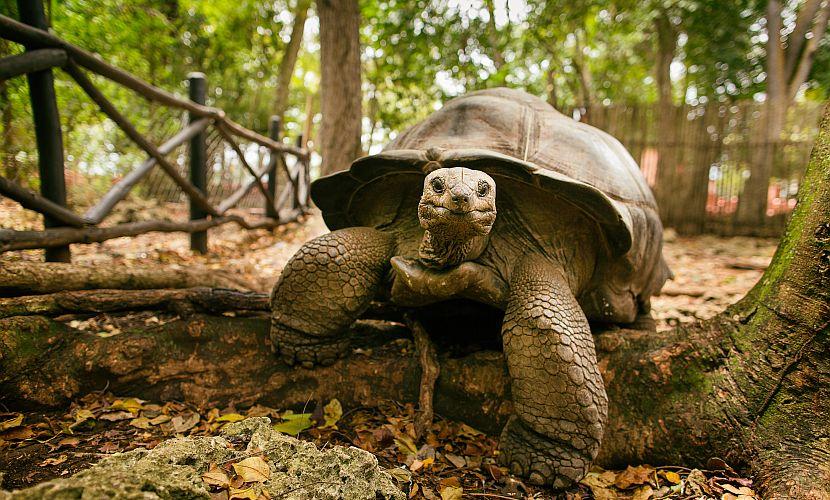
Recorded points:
(437, 185)
(483, 188)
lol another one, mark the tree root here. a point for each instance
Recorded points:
(430, 370)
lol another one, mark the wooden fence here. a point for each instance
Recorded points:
(699, 166)
(45, 51)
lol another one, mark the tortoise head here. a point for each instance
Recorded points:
(457, 211)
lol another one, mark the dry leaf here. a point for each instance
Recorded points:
(230, 417)
(633, 476)
(670, 476)
(68, 442)
(451, 493)
(117, 416)
(243, 494)
(132, 405)
(643, 493)
(141, 423)
(183, 423)
(253, 470)
(12, 422)
(457, 461)
(18, 434)
(216, 477)
(54, 461)
(332, 413)
(599, 484)
(161, 419)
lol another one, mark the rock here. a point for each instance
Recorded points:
(173, 470)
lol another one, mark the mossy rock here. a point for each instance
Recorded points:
(174, 468)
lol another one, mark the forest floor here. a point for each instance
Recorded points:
(452, 462)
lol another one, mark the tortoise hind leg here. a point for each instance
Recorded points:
(560, 405)
(323, 289)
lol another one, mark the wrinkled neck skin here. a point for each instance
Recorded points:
(437, 251)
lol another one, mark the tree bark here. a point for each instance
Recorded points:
(340, 92)
(24, 278)
(751, 385)
(664, 186)
(289, 59)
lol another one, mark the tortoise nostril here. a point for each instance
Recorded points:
(460, 198)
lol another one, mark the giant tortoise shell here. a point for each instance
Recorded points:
(572, 234)
(526, 146)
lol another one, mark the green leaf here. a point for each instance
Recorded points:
(294, 423)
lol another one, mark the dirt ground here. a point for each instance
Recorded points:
(453, 461)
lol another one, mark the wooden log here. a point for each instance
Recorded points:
(257, 176)
(33, 201)
(32, 278)
(123, 187)
(215, 300)
(124, 124)
(30, 62)
(243, 132)
(23, 240)
(48, 134)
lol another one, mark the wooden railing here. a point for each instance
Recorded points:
(45, 51)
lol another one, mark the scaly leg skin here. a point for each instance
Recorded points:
(560, 405)
(323, 289)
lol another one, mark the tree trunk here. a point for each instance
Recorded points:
(787, 70)
(289, 59)
(340, 91)
(664, 185)
(751, 385)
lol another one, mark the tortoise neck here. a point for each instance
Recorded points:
(440, 253)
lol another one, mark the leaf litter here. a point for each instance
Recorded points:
(452, 461)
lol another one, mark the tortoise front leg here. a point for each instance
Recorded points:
(560, 405)
(323, 289)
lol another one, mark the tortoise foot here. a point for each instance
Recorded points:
(542, 461)
(297, 348)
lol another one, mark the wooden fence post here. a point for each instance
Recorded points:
(47, 129)
(274, 157)
(197, 84)
(298, 195)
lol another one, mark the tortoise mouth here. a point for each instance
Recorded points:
(465, 221)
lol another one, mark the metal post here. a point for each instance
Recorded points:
(198, 160)
(47, 129)
(274, 127)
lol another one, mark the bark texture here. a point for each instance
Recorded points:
(339, 83)
(25, 278)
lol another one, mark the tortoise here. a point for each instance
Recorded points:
(573, 236)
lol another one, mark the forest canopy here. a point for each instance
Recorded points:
(414, 53)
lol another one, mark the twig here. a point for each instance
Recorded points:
(430, 369)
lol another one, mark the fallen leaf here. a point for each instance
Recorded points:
(739, 491)
(457, 461)
(216, 477)
(15, 421)
(82, 416)
(230, 417)
(54, 461)
(253, 470)
(643, 493)
(117, 416)
(243, 494)
(670, 476)
(183, 423)
(467, 431)
(633, 476)
(405, 445)
(451, 493)
(332, 413)
(109, 447)
(18, 434)
(141, 423)
(599, 484)
(68, 442)
(295, 423)
(400, 474)
(132, 405)
(161, 419)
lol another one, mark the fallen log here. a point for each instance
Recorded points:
(27, 278)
